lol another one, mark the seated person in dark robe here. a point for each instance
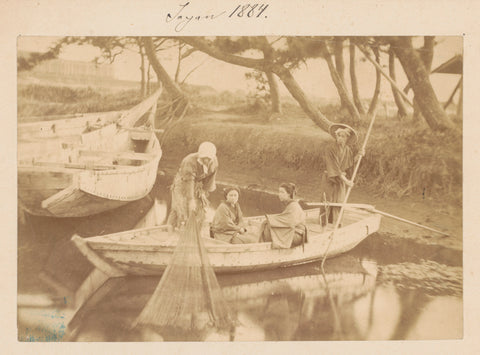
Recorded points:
(286, 229)
(228, 224)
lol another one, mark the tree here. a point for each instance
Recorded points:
(418, 77)
(143, 84)
(426, 54)
(402, 110)
(275, 67)
(272, 82)
(378, 82)
(172, 88)
(162, 74)
(339, 64)
(353, 79)
(260, 43)
(339, 84)
(33, 59)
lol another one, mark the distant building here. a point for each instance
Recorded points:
(72, 69)
(75, 69)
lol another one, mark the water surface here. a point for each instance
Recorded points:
(386, 288)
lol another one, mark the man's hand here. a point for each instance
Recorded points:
(347, 182)
(361, 153)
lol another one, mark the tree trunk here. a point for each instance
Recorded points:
(426, 54)
(143, 89)
(148, 79)
(342, 92)
(339, 64)
(417, 74)
(353, 79)
(179, 60)
(274, 95)
(162, 74)
(298, 94)
(378, 83)
(260, 64)
(272, 82)
(402, 109)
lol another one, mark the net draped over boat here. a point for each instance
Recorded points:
(188, 295)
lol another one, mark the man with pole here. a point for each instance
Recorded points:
(339, 161)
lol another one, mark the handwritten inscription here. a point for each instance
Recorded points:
(254, 10)
(181, 18)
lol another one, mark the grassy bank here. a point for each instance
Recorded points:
(402, 158)
(41, 100)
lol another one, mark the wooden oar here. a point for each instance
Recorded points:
(374, 210)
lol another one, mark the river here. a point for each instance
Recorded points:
(387, 288)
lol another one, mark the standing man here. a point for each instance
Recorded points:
(192, 183)
(339, 161)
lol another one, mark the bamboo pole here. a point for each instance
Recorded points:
(374, 210)
(340, 215)
(394, 84)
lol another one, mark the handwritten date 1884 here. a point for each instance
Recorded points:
(249, 10)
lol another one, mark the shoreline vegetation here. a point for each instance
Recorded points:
(408, 169)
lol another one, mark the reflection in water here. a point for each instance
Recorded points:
(270, 306)
(417, 294)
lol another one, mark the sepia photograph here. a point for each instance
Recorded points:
(227, 177)
(239, 188)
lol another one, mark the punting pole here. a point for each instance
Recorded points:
(374, 210)
(342, 209)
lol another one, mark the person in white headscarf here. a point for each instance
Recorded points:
(192, 183)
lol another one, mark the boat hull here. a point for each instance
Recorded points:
(137, 253)
(70, 168)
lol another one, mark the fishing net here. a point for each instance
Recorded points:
(188, 295)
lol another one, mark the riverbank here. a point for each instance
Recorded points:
(260, 156)
(429, 213)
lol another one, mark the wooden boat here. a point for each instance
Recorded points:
(89, 163)
(148, 251)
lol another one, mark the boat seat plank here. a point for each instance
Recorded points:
(118, 155)
(78, 166)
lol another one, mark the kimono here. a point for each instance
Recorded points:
(192, 181)
(337, 161)
(286, 229)
(227, 222)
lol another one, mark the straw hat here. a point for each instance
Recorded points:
(352, 138)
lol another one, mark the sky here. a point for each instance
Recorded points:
(313, 77)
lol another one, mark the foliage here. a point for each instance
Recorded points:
(262, 89)
(25, 63)
(40, 100)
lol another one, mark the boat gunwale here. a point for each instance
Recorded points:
(102, 243)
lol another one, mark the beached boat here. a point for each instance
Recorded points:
(148, 251)
(80, 165)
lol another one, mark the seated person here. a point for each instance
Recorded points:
(286, 229)
(228, 224)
